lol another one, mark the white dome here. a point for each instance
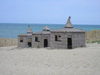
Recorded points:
(46, 28)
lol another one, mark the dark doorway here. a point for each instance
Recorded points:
(69, 43)
(29, 44)
(45, 43)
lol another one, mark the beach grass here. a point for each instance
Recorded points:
(94, 41)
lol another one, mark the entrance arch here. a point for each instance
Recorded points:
(69, 43)
(45, 43)
(29, 44)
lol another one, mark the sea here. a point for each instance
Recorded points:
(12, 30)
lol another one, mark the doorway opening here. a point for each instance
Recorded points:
(45, 43)
(69, 43)
(29, 44)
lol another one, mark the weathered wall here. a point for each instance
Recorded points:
(22, 44)
(8, 42)
(41, 38)
(78, 39)
(36, 44)
(25, 39)
(62, 40)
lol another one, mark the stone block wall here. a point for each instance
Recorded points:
(78, 40)
(61, 43)
(25, 39)
(40, 42)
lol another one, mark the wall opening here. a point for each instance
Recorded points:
(36, 39)
(21, 40)
(69, 43)
(45, 43)
(56, 38)
(29, 44)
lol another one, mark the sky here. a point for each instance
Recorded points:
(50, 11)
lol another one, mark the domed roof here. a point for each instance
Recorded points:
(46, 28)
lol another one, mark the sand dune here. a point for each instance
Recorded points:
(93, 35)
(42, 61)
(7, 42)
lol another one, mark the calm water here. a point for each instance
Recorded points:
(12, 30)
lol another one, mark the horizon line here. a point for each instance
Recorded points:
(49, 23)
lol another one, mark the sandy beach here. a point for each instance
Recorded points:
(49, 37)
(45, 61)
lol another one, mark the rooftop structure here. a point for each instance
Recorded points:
(29, 31)
(68, 24)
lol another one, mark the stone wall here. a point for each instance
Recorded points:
(78, 39)
(61, 43)
(25, 39)
(40, 42)
(22, 44)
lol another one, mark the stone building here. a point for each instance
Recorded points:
(41, 39)
(25, 40)
(67, 37)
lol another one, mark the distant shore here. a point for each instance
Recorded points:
(91, 37)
